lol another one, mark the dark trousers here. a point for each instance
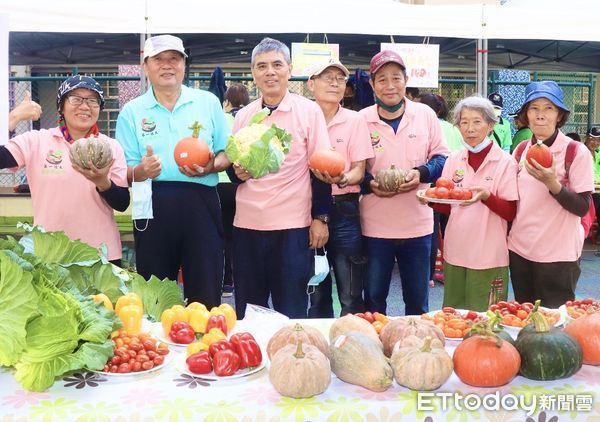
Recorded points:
(412, 256)
(552, 282)
(345, 254)
(227, 193)
(276, 263)
(186, 232)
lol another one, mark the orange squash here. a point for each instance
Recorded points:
(540, 153)
(191, 150)
(328, 160)
(586, 331)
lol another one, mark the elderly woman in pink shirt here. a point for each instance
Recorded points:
(546, 238)
(475, 251)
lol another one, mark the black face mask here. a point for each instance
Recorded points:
(389, 109)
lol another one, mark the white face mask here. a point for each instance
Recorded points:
(141, 193)
(321, 271)
(497, 112)
(478, 148)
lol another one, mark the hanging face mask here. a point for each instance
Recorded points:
(141, 193)
(478, 148)
(321, 272)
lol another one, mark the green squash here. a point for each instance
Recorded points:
(547, 353)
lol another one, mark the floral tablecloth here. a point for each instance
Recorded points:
(169, 395)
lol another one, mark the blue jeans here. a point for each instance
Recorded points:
(413, 262)
(345, 254)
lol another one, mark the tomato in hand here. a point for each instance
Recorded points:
(443, 182)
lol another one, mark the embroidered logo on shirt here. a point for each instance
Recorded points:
(375, 138)
(148, 124)
(53, 162)
(458, 175)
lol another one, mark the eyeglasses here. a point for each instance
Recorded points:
(76, 101)
(329, 79)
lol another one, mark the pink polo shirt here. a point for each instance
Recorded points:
(63, 199)
(349, 135)
(543, 231)
(476, 236)
(419, 137)
(282, 200)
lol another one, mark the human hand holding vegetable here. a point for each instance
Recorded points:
(98, 177)
(480, 193)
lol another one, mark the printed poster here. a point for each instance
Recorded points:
(422, 63)
(305, 56)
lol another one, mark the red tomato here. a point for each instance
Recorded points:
(442, 193)
(124, 368)
(466, 194)
(540, 153)
(456, 193)
(448, 310)
(443, 182)
(430, 193)
(147, 365)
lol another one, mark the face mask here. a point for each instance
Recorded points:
(321, 271)
(141, 193)
(478, 148)
(497, 112)
(389, 109)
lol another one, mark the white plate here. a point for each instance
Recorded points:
(137, 374)
(182, 367)
(561, 321)
(157, 332)
(460, 311)
(421, 194)
(563, 310)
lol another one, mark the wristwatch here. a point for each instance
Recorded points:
(323, 218)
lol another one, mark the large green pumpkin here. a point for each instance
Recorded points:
(547, 353)
(94, 149)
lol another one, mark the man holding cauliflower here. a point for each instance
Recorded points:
(280, 214)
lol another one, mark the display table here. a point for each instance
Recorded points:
(169, 395)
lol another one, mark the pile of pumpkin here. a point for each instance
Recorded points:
(411, 351)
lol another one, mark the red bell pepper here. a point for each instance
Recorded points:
(182, 333)
(247, 348)
(219, 345)
(199, 363)
(217, 321)
(226, 363)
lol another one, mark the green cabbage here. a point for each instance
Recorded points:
(258, 148)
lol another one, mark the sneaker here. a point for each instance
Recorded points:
(227, 290)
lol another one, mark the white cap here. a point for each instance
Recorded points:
(320, 68)
(156, 45)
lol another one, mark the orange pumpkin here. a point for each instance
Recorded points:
(586, 331)
(327, 160)
(191, 150)
(486, 361)
(540, 153)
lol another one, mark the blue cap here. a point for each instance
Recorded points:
(78, 81)
(545, 89)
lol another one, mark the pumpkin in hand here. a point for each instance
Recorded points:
(327, 161)
(293, 334)
(586, 330)
(389, 180)
(547, 353)
(300, 371)
(94, 149)
(191, 150)
(421, 364)
(486, 361)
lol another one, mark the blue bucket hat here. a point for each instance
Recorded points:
(75, 82)
(545, 89)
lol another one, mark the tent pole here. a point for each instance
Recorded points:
(484, 69)
(143, 80)
(479, 67)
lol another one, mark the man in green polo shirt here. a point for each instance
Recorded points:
(501, 134)
(593, 144)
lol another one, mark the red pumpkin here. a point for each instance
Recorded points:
(327, 160)
(191, 150)
(586, 331)
(486, 361)
(540, 153)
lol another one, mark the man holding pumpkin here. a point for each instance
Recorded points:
(177, 215)
(279, 219)
(349, 136)
(407, 135)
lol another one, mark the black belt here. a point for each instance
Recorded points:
(345, 197)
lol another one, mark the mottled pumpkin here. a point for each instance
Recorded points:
(94, 149)
(349, 323)
(293, 334)
(421, 364)
(300, 371)
(400, 328)
(389, 180)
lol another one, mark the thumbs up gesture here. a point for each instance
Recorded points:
(150, 164)
(25, 111)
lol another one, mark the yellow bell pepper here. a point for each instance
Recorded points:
(212, 336)
(196, 347)
(167, 318)
(131, 316)
(180, 313)
(196, 305)
(228, 312)
(128, 299)
(198, 319)
(102, 298)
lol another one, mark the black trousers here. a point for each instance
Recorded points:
(186, 232)
(227, 193)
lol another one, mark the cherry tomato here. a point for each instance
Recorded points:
(494, 307)
(151, 354)
(149, 345)
(115, 360)
(162, 349)
(443, 182)
(124, 368)
(137, 367)
(136, 346)
(142, 358)
(147, 365)
(113, 368)
(512, 308)
(448, 310)
(158, 360)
